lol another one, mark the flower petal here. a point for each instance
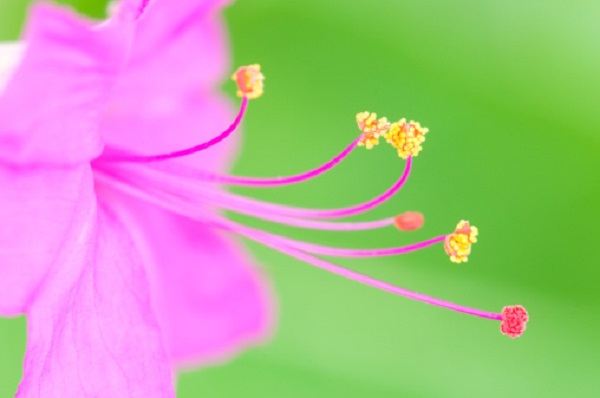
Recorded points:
(91, 330)
(170, 101)
(50, 108)
(38, 209)
(209, 299)
(192, 44)
(181, 124)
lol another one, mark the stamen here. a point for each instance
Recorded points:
(409, 221)
(113, 155)
(458, 244)
(372, 128)
(249, 81)
(406, 137)
(514, 321)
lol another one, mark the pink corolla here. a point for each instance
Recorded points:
(117, 291)
(113, 139)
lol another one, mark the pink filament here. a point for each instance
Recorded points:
(331, 251)
(245, 205)
(227, 201)
(308, 224)
(366, 280)
(258, 182)
(323, 213)
(132, 158)
(355, 276)
(177, 205)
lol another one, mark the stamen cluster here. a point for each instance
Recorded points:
(372, 128)
(405, 137)
(458, 244)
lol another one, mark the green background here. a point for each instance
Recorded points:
(510, 93)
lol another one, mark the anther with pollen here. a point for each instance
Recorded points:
(249, 80)
(372, 128)
(458, 244)
(406, 137)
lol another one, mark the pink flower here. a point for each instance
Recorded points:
(111, 238)
(117, 291)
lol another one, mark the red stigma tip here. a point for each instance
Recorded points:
(514, 320)
(409, 221)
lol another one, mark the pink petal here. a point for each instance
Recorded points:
(91, 329)
(191, 41)
(50, 109)
(209, 298)
(167, 98)
(181, 124)
(37, 208)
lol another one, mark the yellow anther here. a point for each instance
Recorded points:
(371, 127)
(406, 137)
(249, 81)
(458, 244)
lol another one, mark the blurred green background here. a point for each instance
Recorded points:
(510, 93)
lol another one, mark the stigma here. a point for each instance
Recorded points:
(249, 81)
(514, 321)
(458, 244)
